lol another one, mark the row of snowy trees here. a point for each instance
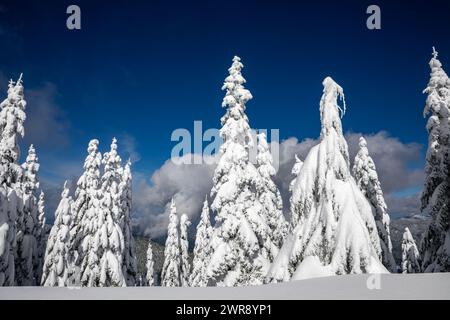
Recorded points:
(333, 229)
(91, 243)
(339, 218)
(22, 219)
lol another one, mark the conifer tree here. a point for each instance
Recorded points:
(201, 249)
(333, 234)
(270, 198)
(84, 257)
(12, 118)
(108, 241)
(56, 262)
(435, 246)
(236, 243)
(171, 271)
(149, 267)
(410, 254)
(184, 247)
(129, 254)
(365, 174)
(27, 222)
(41, 239)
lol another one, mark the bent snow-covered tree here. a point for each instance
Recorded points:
(410, 254)
(12, 118)
(365, 174)
(240, 226)
(184, 250)
(171, 271)
(56, 262)
(201, 249)
(335, 230)
(435, 244)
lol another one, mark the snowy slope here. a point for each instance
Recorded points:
(392, 286)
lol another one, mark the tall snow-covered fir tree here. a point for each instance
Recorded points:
(435, 244)
(27, 223)
(184, 250)
(410, 254)
(270, 198)
(171, 271)
(56, 262)
(12, 118)
(201, 249)
(84, 257)
(149, 267)
(236, 257)
(336, 228)
(365, 174)
(129, 254)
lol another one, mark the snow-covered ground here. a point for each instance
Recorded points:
(391, 286)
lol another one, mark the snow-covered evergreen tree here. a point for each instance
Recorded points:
(410, 254)
(270, 198)
(27, 223)
(86, 211)
(336, 227)
(41, 239)
(435, 245)
(129, 254)
(56, 263)
(149, 269)
(184, 250)
(365, 174)
(12, 118)
(201, 249)
(237, 242)
(171, 271)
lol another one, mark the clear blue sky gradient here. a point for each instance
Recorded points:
(145, 68)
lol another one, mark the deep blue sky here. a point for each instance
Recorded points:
(145, 68)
